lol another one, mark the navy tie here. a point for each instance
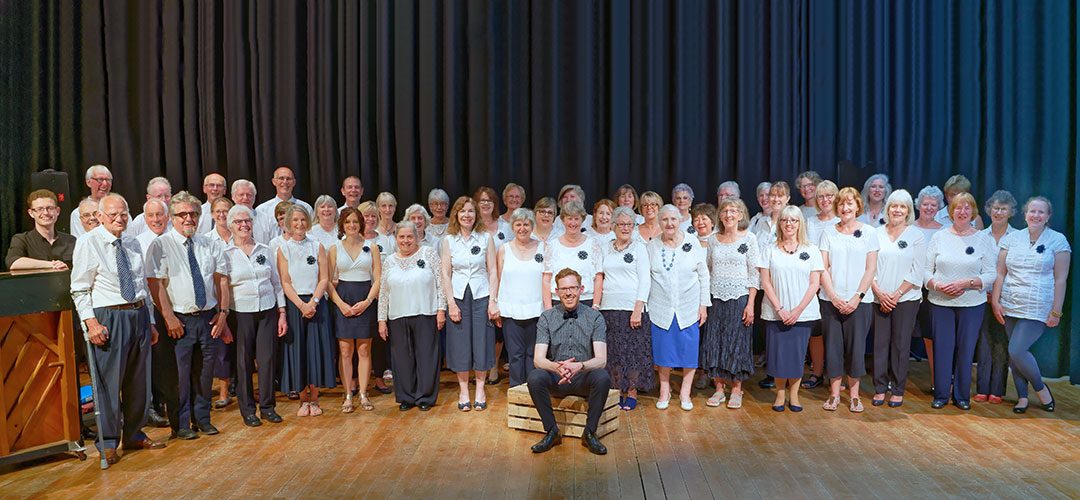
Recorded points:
(123, 273)
(196, 276)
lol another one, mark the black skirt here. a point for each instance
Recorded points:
(356, 327)
(726, 343)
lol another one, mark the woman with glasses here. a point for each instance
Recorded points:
(574, 250)
(519, 296)
(815, 225)
(992, 351)
(807, 183)
(544, 226)
(649, 227)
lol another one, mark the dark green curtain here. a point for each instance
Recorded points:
(414, 94)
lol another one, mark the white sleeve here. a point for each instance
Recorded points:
(83, 273)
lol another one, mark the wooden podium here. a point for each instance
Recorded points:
(39, 397)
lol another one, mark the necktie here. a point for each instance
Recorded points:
(570, 314)
(123, 273)
(196, 276)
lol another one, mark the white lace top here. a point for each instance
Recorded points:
(950, 257)
(411, 286)
(586, 258)
(1028, 289)
(733, 267)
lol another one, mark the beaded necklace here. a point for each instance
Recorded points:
(663, 258)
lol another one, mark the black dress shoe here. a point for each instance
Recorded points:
(1020, 409)
(962, 404)
(767, 383)
(154, 419)
(1048, 407)
(144, 444)
(186, 434)
(939, 404)
(405, 406)
(252, 421)
(549, 440)
(590, 441)
(208, 429)
(424, 407)
(272, 417)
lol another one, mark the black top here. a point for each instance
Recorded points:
(570, 337)
(31, 244)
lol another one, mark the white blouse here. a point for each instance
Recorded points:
(901, 260)
(386, 243)
(988, 230)
(437, 230)
(602, 238)
(927, 233)
(847, 260)
(790, 277)
(626, 276)
(1028, 289)
(411, 286)
(302, 258)
(586, 258)
(521, 284)
(874, 220)
(254, 279)
(468, 263)
(950, 257)
(733, 267)
(808, 212)
(504, 234)
(326, 238)
(680, 282)
(351, 270)
(815, 227)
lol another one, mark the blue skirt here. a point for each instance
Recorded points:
(674, 347)
(786, 348)
(356, 327)
(308, 349)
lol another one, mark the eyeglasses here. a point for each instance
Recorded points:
(1000, 210)
(242, 222)
(101, 179)
(485, 202)
(116, 215)
(789, 221)
(86, 216)
(624, 224)
(45, 209)
(565, 290)
(186, 215)
(545, 212)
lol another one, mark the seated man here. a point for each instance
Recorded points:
(570, 356)
(42, 247)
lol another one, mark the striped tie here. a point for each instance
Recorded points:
(123, 273)
(196, 276)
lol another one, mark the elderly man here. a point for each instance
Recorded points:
(42, 247)
(213, 186)
(158, 188)
(243, 193)
(351, 189)
(188, 278)
(162, 360)
(87, 211)
(266, 225)
(108, 287)
(99, 180)
(570, 356)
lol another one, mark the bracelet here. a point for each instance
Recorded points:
(1056, 314)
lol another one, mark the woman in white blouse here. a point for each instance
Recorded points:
(959, 272)
(992, 351)
(762, 196)
(308, 351)
(734, 280)
(355, 272)
(1029, 293)
(224, 369)
(602, 228)
(221, 234)
(678, 298)
(574, 250)
(849, 250)
(682, 197)
(385, 245)
(766, 228)
(418, 215)
(807, 183)
(874, 192)
(544, 221)
(259, 306)
(325, 230)
(519, 298)
(897, 293)
(929, 201)
(412, 308)
(386, 202)
(815, 225)
(649, 227)
(791, 270)
(626, 274)
(468, 276)
(513, 198)
(438, 202)
(703, 218)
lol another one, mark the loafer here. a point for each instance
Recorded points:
(208, 429)
(938, 404)
(405, 406)
(767, 383)
(590, 441)
(252, 421)
(962, 404)
(424, 406)
(896, 404)
(186, 434)
(154, 419)
(550, 439)
(272, 417)
(144, 444)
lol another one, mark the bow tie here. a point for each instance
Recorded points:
(570, 314)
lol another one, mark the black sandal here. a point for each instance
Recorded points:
(812, 382)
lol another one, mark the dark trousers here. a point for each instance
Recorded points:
(892, 343)
(256, 337)
(163, 373)
(956, 331)
(845, 340)
(520, 338)
(415, 353)
(122, 366)
(380, 352)
(191, 373)
(593, 385)
(992, 355)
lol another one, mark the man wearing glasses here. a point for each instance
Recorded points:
(213, 186)
(42, 247)
(159, 188)
(99, 180)
(266, 225)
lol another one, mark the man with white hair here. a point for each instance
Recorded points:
(87, 211)
(99, 179)
(351, 189)
(158, 188)
(162, 362)
(266, 225)
(213, 186)
(243, 193)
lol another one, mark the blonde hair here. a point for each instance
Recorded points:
(849, 193)
(744, 221)
(963, 197)
(650, 197)
(791, 212)
(902, 197)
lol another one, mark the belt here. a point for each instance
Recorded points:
(123, 307)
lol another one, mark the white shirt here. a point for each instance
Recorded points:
(437, 230)
(733, 267)
(676, 293)
(687, 226)
(216, 239)
(145, 239)
(254, 279)
(765, 231)
(815, 226)
(808, 212)
(302, 257)
(604, 239)
(468, 263)
(265, 225)
(927, 233)
(790, 278)
(430, 241)
(136, 227)
(206, 220)
(94, 278)
(847, 260)
(1028, 289)
(627, 278)
(504, 234)
(76, 224)
(988, 230)
(901, 260)
(586, 258)
(167, 259)
(349, 269)
(326, 238)
(874, 220)
(950, 257)
(521, 284)
(411, 286)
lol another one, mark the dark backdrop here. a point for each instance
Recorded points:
(414, 94)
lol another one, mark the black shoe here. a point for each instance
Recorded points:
(778, 408)
(549, 440)
(962, 404)
(877, 402)
(232, 390)
(208, 429)
(154, 419)
(813, 382)
(767, 383)
(1048, 407)
(590, 441)
(272, 417)
(293, 395)
(252, 421)
(794, 408)
(186, 434)
(939, 404)
(1020, 409)
(424, 407)
(405, 406)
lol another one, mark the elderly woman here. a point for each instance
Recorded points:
(438, 202)
(627, 278)
(727, 190)
(412, 308)
(682, 197)
(382, 246)
(224, 369)
(308, 351)
(849, 251)
(649, 227)
(959, 271)
(824, 211)
(779, 196)
(930, 200)
(325, 231)
(626, 196)
(678, 298)
(807, 183)
(955, 185)
(896, 291)
(219, 212)
(355, 271)
(874, 192)
(734, 280)
(384, 242)
(602, 228)
(259, 306)
(544, 223)
(1029, 293)
(468, 275)
(418, 215)
(992, 351)
(513, 197)
(576, 251)
(791, 269)
(568, 193)
(519, 297)
(762, 195)
(386, 202)
(703, 219)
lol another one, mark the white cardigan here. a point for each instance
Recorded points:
(679, 292)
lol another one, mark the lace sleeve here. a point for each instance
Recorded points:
(597, 254)
(753, 260)
(436, 267)
(384, 289)
(547, 251)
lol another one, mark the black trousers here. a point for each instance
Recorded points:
(196, 380)
(520, 341)
(122, 366)
(163, 373)
(892, 343)
(256, 339)
(415, 354)
(593, 385)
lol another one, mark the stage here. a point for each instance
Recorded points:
(911, 451)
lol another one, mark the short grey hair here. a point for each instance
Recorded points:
(668, 208)
(243, 183)
(764, 186)
(624, 212)
(156, 201)
(522, 213)
(97, 168)
(111, 196)
(237, 210)
(158, 180)
(572, 208)
(92, 203)
(184, 197)
(682, 187)
(438, 195)
(296, 208)
(1001, 197)
(931, 192)
(902, 197)
(572, 187)
(417, 208)
(406, 224)
(732, 185)
(325, 199)
(866, 188)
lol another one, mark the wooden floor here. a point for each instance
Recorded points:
(912, 451)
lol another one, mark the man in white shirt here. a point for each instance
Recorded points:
(266, 226)
(243, 193)
(87, 211)
(108, 287)
(351, 189)
(158, 188)
(188, 275)
(99, 180)
(162, 360)
(213, 186)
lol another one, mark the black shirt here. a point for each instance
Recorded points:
(33, 245)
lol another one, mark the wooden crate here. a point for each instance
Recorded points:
(571, 413)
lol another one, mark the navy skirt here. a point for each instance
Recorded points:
(786, 348)
(308, 349)
(356, 327)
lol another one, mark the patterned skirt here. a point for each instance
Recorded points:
(629, 351)
(726, 341)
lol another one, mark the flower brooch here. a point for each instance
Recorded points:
(687, 247)
(743, 248)
(475, 250)
(311, 260)
(628, 258)
(583, 255)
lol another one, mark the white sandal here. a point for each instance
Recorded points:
(717, 399)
